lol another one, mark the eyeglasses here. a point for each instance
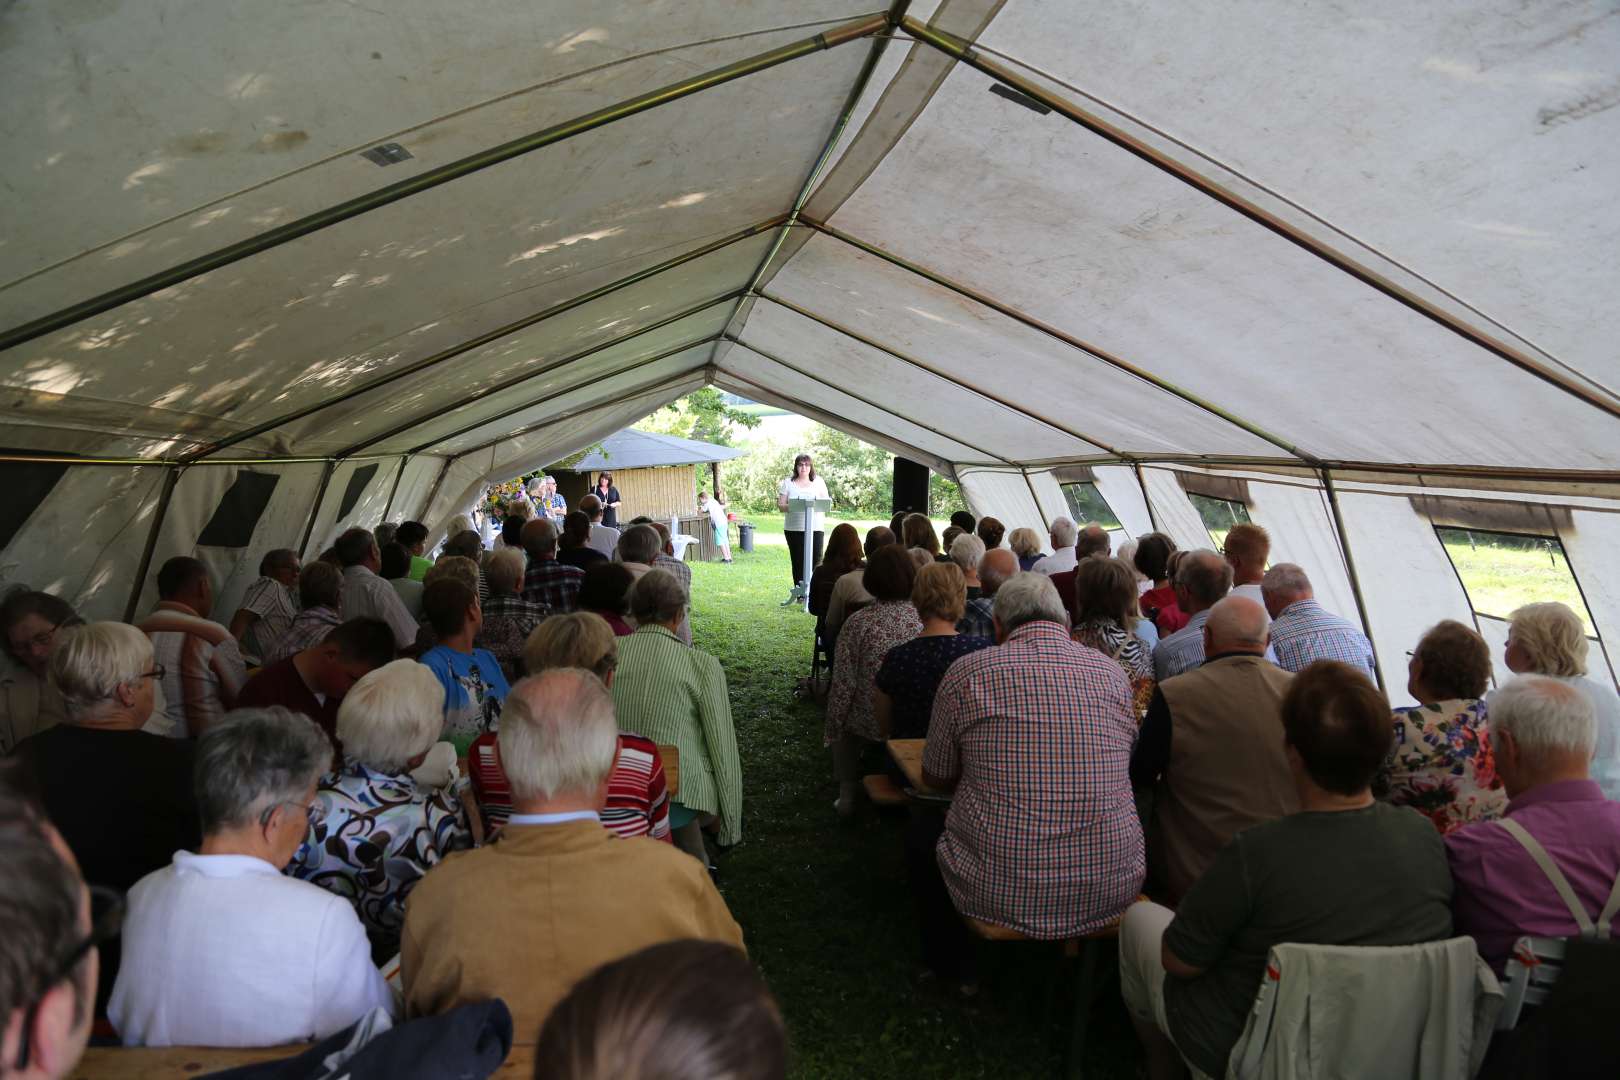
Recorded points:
(106, 921)
(314, 813)
(156, 673)
(38, 641)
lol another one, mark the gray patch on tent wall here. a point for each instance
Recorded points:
(27, 484)
(1494, 515)
(358, 481)
(239, 511)
(1229, 488)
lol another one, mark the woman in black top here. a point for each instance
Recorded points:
(610, 500)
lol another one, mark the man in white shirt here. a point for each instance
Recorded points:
(367, 596)
(1246, 549)
(221, 949)
(1064, 535)
(604, 538)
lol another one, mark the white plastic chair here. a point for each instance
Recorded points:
(679, 540)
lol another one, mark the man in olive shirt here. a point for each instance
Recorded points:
(1343, 871)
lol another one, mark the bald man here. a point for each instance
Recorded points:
(1211, 750)
(995, 567)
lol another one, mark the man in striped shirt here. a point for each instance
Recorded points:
(1303, 631)
(202, 665)
(269, 605)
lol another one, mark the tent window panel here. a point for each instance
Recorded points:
(1502, 571)
(239, 511)
(1219, 515)
(1088, 507)
(27, 485)
(357, 486)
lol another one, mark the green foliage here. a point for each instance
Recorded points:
(702, 414)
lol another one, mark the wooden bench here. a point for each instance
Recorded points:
(908, 756)
(165, 1063)
(883, 791)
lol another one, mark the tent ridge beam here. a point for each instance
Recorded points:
(868, 402)
(1566, 380)
(432, 178)
(891, 20)
(1094, 351)
(490, 336)
(547, 369)
(838, 328)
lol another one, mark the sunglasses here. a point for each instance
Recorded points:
(106, 921)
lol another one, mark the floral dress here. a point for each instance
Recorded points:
(863, 641)
(1441, 765)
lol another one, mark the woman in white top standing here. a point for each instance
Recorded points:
(803, 484)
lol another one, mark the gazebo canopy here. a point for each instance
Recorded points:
(632, 449)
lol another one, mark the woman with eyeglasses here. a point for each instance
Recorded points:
(29, 704)
(121, 797)
(225, 950)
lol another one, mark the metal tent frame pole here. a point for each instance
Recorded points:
(1350, 569)
(393, 490)
(171, 478)
(315, 511)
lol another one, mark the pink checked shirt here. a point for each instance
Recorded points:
(1042, 835)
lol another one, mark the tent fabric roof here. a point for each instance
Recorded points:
(632, 449)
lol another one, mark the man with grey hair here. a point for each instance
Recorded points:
(368, 596)
(1064, 534)
(1551, 867)
(223, 949)
(1209, 751)
(1202, 580)
(978, 614)
(568, 896)
(269, 605)
(1034, 736)
(1302, 630)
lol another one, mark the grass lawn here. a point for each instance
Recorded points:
(825, 906)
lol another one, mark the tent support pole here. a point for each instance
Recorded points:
(1040, 511)
(388, 507)
(1549, 373)
(438, 482)
(170, 479)
(315, 511)
(1350, 568)
(432, 178)
(1153, 518)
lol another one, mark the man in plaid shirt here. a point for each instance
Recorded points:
(1303, 631)
(549, 582)
(1034, 736)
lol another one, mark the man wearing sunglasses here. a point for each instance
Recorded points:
(49, 961)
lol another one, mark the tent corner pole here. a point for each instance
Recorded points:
(315, 510)
(171, 478)
(1350, 569)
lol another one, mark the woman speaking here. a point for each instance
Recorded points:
(609, 495)
(802, 484)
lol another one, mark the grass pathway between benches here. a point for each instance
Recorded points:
(825, 907)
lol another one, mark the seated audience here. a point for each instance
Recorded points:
(1042, 836)
(412, 536)
(1026, 544)
(574, 547)
(604, 538)
(556, 894)
(675, 695)
(1559, 843)
(1106, 617)
(684, 1010)
(474, 685)
(120, 796)
(384, 534)
(1550, 640)
(991, 531)
(946, 539)
(312, 682)
(367, 596)
(1092, 541)
(843, 555)
(268, 606)
(916, 531)
(1302, 631)
(666, 559)
(1441, 763)
(509, 615)
(638, 552)
(202, 666)
(396, 570)
(605, 591)
(978, 614)
(1344, 870)
(380, 830)
(512, 531)
(849, 595)
(638, 794)
(1209, 751)
(906, 678)
(1064, 535)
(863, 641)
(53, 926)
(30, 623)
(1158, 603)
(320, 590)
(897, 525)
(549, 582)
(966, 551)
(1203, 579)
(964, 521)
(223, 949)
(465, 544)
(1246, 550)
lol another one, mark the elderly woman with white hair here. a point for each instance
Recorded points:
(380, 828)
(1549, 639)
(225, 950)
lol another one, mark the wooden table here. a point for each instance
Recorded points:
(908, 754)
(153, 1063)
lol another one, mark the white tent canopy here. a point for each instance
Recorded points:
(339, 262)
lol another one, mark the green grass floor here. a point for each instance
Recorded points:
(825, 906)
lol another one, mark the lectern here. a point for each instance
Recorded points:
(810, 508)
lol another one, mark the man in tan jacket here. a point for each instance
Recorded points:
(1211, 750)
(556, 895)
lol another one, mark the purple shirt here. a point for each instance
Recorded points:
(1502, 895)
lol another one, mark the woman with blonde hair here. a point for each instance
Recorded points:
(1026, 544)
(904, 686)
(1550, 639)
